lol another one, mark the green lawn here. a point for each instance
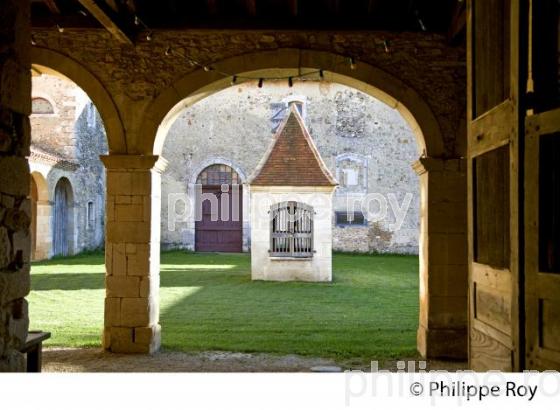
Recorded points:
(208, 302)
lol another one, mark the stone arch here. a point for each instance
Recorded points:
(284, 62)
(47, 98)
(40, 217)
(52, 62)
(217, 160)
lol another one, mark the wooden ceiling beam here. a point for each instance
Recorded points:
(52, 6)
(293, 7)
(212, 6)
(106, 20)
(251, 7)
(458, 21)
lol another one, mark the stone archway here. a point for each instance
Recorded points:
(40, 217)
(51, 62)
(284, 62)
(442, 331)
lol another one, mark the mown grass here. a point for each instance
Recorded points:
(208, 302)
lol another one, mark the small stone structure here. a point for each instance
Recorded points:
(291, 202)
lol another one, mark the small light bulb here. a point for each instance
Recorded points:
(168, 51)
(321, 74)
(260, 82)
(149, 36)
(33, 41)
(60, 28)
(233, 80)
(386, 45)
(136, 21)
(290, 82)
(207, 68)
(352, 63)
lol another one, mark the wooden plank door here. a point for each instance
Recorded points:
(224, 234)
(542, 189)
(493, 154)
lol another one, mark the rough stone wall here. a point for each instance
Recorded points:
(423, 61)
(15, 89)
(365, 143)
(75, 132)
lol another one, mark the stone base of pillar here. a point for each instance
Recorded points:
(146, 340)
(449, 344)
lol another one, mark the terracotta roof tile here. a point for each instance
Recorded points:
(293, 159)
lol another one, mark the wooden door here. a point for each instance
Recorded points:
(542, 189)
(224, 232)
(493, 184)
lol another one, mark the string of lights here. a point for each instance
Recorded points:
(235, 78)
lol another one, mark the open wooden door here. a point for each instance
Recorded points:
(542, 189)
(495, 296)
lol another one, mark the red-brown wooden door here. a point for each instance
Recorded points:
(224, 231)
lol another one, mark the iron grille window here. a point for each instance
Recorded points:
(350, 218)
(291, 231)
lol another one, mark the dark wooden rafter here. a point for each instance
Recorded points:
(102, 14)
(212, 6)
(251, 7)
(458, 21)
(372, 6)
(334, 6)
(52, 6)
(293, 7)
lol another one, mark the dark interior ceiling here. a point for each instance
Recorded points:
(441, 16)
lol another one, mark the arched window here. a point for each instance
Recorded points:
(40, 105)
(218, 174)
(291, 233)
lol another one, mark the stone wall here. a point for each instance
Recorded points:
(15, 89)
(365, 143)
(74, 133)
(135, 76)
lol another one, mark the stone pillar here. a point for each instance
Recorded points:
(132, 249)
(442, 332)
(15, 207)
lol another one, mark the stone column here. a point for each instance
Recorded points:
(132, 249)
(15, 207)
(442, 332)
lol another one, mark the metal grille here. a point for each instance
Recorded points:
(218, 174)
(291, 230)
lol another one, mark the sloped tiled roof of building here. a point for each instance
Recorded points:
(293, 158)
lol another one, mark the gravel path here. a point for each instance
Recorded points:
(96, 360)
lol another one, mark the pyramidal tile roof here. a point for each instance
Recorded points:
(293, 158)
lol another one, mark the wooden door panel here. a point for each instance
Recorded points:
(542, 220)
(493, 163)
(225, 234)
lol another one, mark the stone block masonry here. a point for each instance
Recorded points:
(15, 105)
(132, 254)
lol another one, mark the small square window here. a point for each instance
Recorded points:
(344, 218)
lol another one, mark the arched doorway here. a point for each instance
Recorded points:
(219, 214)
(63, 219)
(40, 217)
